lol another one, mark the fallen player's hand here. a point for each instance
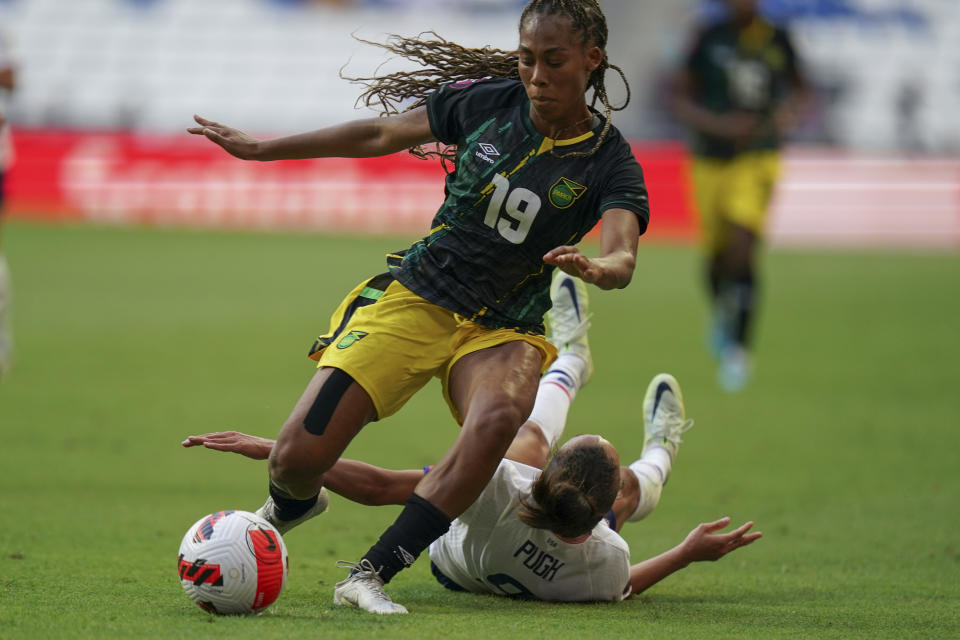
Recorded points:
(704, 543)
(233, 442)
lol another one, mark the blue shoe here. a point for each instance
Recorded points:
(735, 369)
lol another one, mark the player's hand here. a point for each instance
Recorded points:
(785, 119)
(704, 543)
(569, 260)
(739, 126)
(235, 142)
(233, 442)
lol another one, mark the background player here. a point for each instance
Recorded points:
(8, 82)
(550, 534)
(739, 91)
(536, 169)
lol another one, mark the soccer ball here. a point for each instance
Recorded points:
(233, 562)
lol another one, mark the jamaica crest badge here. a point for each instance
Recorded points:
(351, 339)
(565, 192)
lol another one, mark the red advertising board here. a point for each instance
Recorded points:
(184, 180)
(827, 197)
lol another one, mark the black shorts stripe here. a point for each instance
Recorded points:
(379, 283)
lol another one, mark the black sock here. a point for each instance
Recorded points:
(714, 283)
(287, 508)
(743, 291)
(419, 524)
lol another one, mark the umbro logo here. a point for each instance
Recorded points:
(487, 152)
(405, 556)
(489, 149)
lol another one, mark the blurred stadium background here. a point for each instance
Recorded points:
(106, 88)
(844, 449)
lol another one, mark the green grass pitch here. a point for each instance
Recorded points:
(845, 450)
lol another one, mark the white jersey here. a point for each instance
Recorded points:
(489, 549)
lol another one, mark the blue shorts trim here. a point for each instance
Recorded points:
(444, 580)
(611, 519)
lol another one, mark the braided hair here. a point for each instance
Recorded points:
(575, 491)
(441, 62)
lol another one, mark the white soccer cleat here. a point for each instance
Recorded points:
(363, 589)
(268, 512)
(569, 319)
(664, 416)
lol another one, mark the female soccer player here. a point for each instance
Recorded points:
(739, 91)
(544, 528)
(8, 82)
(535, 170)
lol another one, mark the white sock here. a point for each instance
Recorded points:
(567, 371)
(652, 471)
(558, 388)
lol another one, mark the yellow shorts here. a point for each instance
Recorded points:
(392, 341)
(735, 191)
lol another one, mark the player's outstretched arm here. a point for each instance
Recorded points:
(354, 480)
(703, 543)
(618, 253)
(355, 139)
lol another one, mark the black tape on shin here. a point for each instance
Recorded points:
(326, 402)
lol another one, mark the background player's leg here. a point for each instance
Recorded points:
(737, 297)
(720, 331)
(710, 181)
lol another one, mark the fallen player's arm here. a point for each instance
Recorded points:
(703, 543)
(233, 442)
(373, 486)
(352, 479)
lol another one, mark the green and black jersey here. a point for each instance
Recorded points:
(509, 201)
(750, 69)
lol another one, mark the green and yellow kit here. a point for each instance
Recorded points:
(510, 199)
(478, 280)
(750, 69)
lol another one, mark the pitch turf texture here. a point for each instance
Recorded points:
(844, 450)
